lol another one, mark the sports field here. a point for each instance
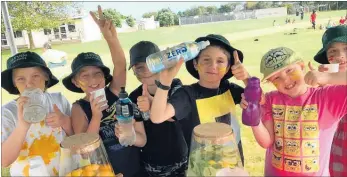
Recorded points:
(241, 34)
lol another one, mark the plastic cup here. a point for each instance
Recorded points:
(332, 68)
(98, 93)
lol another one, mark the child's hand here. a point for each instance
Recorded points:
(239, 71)
(118, 129)
(166, 76)
(144, 101)
(119, 175)
(96, 106)
(20, 110)
(315, 78)
(106, 26)
(244, 103)
(56, 119)
(321, 68)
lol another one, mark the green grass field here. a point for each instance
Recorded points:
(307, 42)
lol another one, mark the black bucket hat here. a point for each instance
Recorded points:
(219, 40)
(82, 60)
(140, 51)
(24, 60)
(331, 35)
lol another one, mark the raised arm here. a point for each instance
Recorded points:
(161, 110)
(13, 137)
(263, 133)
(118, 57)
(238, 69)
(314, 77)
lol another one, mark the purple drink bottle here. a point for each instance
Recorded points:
(251, 115)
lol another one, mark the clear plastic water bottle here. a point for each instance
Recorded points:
(251, 115)
(168, 58)
(125, 116)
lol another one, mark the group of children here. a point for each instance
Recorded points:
(297, 127)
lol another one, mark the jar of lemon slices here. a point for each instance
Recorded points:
(213, 149)
(84, 155)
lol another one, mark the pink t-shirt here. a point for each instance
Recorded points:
(304, 128)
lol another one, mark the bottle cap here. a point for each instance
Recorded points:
(203, 44)
(123, 94)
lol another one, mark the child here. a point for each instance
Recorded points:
(21, 140)
(334, 51)
(212, 67)
(313, 19)
(298, 122)
(90, 115)
(165, 153)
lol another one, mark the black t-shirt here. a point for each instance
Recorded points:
(125, 160)
(165, 142)
(202, 105)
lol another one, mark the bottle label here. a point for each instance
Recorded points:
(175, 52)
(125, 111)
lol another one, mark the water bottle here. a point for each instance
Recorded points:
(168, 58)
(125, 116)
(251, 115)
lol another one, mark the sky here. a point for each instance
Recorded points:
(137, 9)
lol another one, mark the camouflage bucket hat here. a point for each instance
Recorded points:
(276, 60)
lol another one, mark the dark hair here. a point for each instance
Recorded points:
(225, 51)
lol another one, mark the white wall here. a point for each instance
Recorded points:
(19, 41)
(39, 38)
(271, 12)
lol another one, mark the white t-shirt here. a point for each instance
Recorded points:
(40, 140)
(53, 56)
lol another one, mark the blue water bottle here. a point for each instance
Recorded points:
(168, 58)
(125, 116)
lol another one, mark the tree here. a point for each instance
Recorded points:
(263, 5)
(149, 14)
(226, 8)
(114, 16)
(130, 21)
(290, 8)
(196, 11)
(181, 14)
(34, 15)
(176, 19)
(250, 5)
(211, 9)
(166, 18)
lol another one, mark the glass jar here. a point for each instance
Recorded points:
(84, 155)
(34, 109)
(213, 148)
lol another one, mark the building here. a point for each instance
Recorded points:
(143, 24)
(82, 29)
(147, 23)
